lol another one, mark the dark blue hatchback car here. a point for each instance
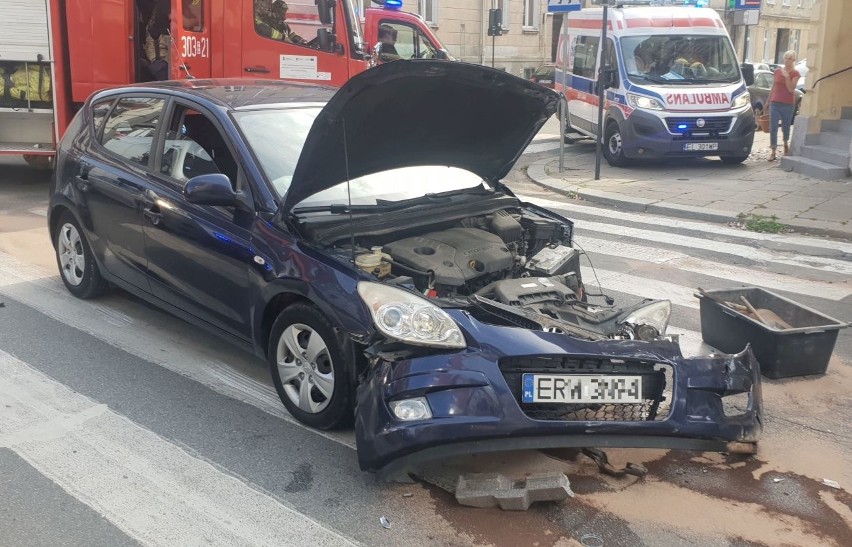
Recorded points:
(361, 241)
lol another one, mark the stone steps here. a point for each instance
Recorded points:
(813, 168)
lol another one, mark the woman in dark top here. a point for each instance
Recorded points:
(782, 101)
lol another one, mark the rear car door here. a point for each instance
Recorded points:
(198, 255)
(112, 177)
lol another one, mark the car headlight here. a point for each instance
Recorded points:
(641, 101)
(650, 321)
(741, 101)
(403, 316)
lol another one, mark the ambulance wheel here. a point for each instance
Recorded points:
(613, 145)
(39, 161)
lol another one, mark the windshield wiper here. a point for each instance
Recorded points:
(650, 78)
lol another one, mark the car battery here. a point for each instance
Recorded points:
(555, 260)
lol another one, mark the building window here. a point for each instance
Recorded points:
(749, 46)
(428, 9)
(766, 56)
(531, 14)
(504, 6)
(794, 45)
(785, 3)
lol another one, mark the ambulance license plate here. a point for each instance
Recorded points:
(700, 146)
(581, 388)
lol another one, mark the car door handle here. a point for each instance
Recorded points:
(150, 208)
(83, 176)
(154, 216)
(261, 69)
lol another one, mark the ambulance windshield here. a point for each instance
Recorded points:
(677, 59)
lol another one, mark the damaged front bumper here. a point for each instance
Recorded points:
(706, 403)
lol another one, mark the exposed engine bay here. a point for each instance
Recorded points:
(515, 266)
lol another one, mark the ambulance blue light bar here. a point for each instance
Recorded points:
(394, 5)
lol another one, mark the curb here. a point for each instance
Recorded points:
(536, 172)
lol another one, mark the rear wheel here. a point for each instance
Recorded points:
(39, 161)
(613, 145)
(77, 265)
(310, 364)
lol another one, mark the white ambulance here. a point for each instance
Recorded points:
(677, 89)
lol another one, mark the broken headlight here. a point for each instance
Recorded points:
(403, 316)
(649, 322)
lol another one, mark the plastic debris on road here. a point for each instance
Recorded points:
(385, 522)
(831, 483)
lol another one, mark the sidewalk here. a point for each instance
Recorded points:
(701, 188)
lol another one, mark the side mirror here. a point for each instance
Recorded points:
(608, 77)
(210, 189)
(442, 54)
(325, 39)
(748, 73)
(324, 8)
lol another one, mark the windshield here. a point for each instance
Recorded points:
(679, 59)
(398, 185)
(277, 137)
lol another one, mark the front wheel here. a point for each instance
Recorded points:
(613, 145)
(310, 364)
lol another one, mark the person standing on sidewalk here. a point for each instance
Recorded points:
(782, 101)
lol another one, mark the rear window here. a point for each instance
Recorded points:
(544, 71)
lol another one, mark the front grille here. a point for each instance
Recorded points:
(689, 126)
(657, 382)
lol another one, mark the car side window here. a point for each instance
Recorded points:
(129, 131)
(99, 113)
(194, 146)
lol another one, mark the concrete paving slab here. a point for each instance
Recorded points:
(493, 489)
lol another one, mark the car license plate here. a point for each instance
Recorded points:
(545, 81)
(700, 146)
(585, 388)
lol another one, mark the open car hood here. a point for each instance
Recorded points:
(421, 112)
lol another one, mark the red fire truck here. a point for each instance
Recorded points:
(55, 53)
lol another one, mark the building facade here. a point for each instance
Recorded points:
(462, 26)
(782, 25)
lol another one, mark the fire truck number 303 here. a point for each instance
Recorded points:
(194, 47)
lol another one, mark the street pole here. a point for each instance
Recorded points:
(493, 37)
(563, 101)
(601, 94)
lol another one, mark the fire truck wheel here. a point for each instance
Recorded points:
(613, 149)
(39, 161)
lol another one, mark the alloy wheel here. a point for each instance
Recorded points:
(71, 255)
(305, 368)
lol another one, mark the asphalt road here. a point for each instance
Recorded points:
(121, 425)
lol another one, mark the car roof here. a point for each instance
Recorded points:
(233, 94)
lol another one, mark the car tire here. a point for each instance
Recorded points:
(310, 364)
(77, 266)
(733, 159)
(613, 145)
(38, 161)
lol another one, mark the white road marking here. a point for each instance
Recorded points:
(668, 222)
(40, 211)
(147, 340)
(154, 491)
(732, 249)
(642, 287)
(748, 276)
